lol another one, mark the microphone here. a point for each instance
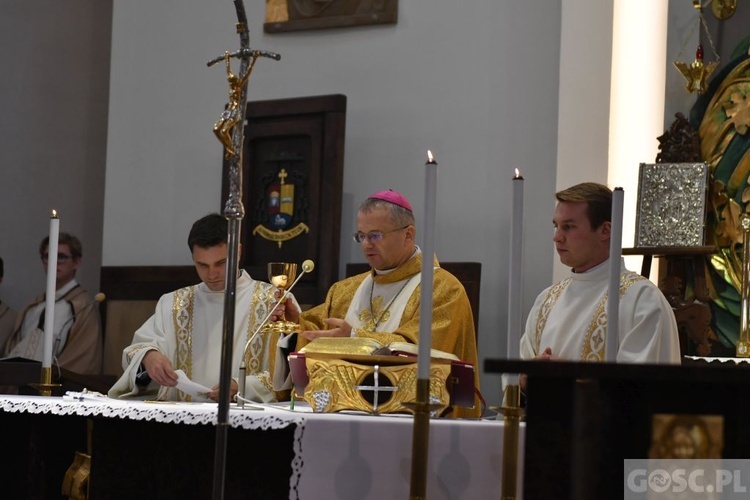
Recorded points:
(98, 299)
(307, 267)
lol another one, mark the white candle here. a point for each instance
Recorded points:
(613, 295)
(515, 271)
(428, 252)
(49, 309)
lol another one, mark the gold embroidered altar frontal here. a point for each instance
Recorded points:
(337, 384)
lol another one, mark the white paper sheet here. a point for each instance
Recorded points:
(197, 391)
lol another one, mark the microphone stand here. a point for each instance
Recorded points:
(307, 267)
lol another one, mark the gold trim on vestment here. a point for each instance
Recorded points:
(594, 344)
(264, 343)
(182, 318)
(254, 353)
(549, 303)
(367, 316)
(133, 350)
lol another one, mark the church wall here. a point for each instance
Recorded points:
(476, 83)
(53, 126)
(479, 85)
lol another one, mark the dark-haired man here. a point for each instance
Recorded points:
(185, 332)
(77, 343)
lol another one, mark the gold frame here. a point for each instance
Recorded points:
(297, 15)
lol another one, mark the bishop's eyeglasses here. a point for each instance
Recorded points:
(374, 236)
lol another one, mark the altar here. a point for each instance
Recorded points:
(166, 450)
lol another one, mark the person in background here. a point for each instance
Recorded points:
(77, 331)
(7, 315)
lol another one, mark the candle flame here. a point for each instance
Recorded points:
(54, 213)
(518, 174)
(429, 155)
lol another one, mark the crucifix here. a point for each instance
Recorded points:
(232, 114)
(233, 212)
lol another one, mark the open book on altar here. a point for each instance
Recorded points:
(369, 352)
(357, 347)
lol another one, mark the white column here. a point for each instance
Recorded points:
(636, 119)
(585, 63)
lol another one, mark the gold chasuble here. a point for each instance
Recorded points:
(385, 307)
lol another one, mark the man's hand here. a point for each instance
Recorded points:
(289, 311)
(159, 368)
(340, 328)
(214, 392)
(544, 356)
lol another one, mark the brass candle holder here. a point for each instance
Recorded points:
(45, 385)
(420, 441)
(512, 413)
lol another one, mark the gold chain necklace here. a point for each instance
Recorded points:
(385, 310)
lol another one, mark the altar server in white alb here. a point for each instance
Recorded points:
(569, 319)
(185, 332)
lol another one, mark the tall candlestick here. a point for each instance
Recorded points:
(428, 253)
(516, 269)
(613, 298)
(49, 308)
(421, 434)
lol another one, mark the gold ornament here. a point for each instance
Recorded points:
(698, 72)
(723, 9)
(337, 384)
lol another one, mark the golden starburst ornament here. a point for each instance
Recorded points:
(696, 73)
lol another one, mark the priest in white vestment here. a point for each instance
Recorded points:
(569, 319)
(185, 332)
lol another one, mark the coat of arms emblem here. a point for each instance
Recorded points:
(281, 212)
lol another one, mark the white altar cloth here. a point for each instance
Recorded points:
(337, 456)
(719, 360)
